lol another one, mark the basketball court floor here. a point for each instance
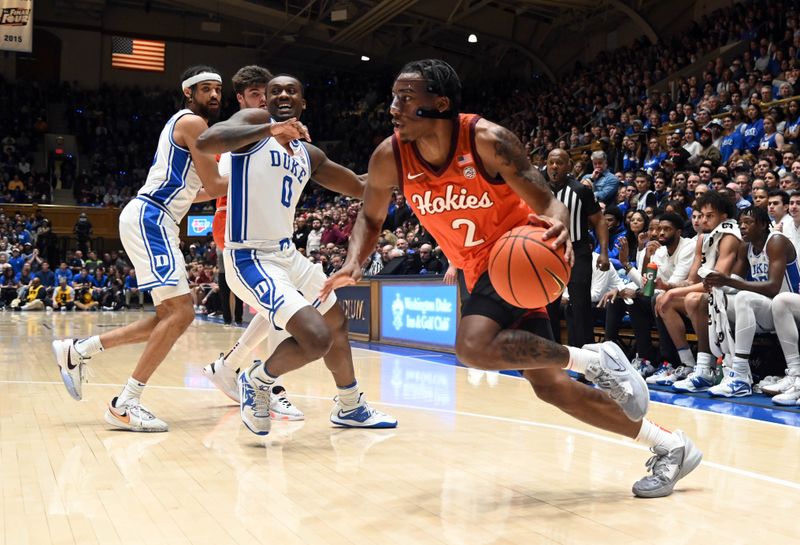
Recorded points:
(476, 459)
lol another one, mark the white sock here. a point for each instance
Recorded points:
(741, 366)
(89, 346)
(133, 390)
(261, 373)
(579, 359)
(257, 330)
(653, 435)
(686, 356)
(793, 364)
(705, 361)
(349, 395)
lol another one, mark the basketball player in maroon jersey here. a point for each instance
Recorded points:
(469, 181)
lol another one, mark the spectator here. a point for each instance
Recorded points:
(331, 233)
(32, 297)
(314, 236)
(64, 271)
(132, 289)
(46, 276)
(83, 232)
(604, 183)
(63, 295)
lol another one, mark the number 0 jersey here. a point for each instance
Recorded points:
(265, 185)
(464, 208)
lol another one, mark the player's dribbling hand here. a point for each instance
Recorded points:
(348, 275)
(555, 229)
(291, 128)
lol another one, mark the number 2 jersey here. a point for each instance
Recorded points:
(460, 204)
(265, 185)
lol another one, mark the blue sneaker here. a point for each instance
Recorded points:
(733, 385)
(699, 380)
(363, 416)
(254, 395)
(661, 373)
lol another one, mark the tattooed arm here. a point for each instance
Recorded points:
(503, 156)
(247, 127)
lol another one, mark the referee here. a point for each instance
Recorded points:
(584, 211)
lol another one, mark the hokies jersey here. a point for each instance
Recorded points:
(460, 204)
(172, 181)
(265, 185)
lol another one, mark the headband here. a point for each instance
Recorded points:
(203, 76)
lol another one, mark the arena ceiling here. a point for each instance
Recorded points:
(341, 31)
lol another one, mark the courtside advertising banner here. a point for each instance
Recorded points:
(419, 313)
(16, 25)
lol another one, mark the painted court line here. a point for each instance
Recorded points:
(555, 427)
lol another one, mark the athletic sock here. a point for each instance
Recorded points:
(704, 361)
(686, 356)
(741, 366)
(133, 389)
(262, 374)
(348, 396)
(653, 435)
(256, 332)
(89, 346)
(793, 365)
(579, 359)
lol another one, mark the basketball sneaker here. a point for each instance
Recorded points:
(362, 416)
(644, 366)
(223, 377)
(614, 375)
(661, 373)
(790, 397)
(280, 408)
(699, 380)
(254, 401)
(779, 387)
(678, 374)
(132, 416)
(733, 385)
(594, 347)
(667, 468)
(70, 362)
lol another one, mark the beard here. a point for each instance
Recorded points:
(204, 111)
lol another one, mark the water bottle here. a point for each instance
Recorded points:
(650, 279)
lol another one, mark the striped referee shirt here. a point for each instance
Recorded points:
(581, 203)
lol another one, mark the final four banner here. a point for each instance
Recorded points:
(16, 25)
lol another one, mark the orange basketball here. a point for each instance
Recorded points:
(525, 271)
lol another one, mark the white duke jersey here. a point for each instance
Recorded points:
(172, 182)
(265, 185)
(759, 267)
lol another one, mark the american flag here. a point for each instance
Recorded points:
(135, 54)
(464, 159)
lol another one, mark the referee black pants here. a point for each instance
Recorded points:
(578, 314)
(225, 296)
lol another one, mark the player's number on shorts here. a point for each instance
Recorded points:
(469, 240)
(286, 194)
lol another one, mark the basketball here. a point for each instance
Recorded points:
(525, 271)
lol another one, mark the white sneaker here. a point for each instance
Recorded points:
(668, 467)
(790, 397)
(699, 380)
(70, 362)
(132, 416)
(362, 416)
(280, 408)
(254, 401)
(661, 373)
(614, 375)
(733, 385)
(594, 347)
(678, 374)
(781, 386)
(223, 377)
(645, 367)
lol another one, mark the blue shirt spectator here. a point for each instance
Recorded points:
(81, 279)
(753, 131)
(99, 281)
(46, 276)
(729, 144)
(605, 183)
(16, 261)
(130, 280)
(64, 271)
